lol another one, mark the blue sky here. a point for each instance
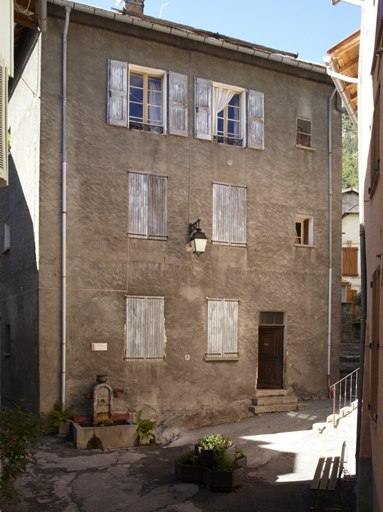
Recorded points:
(306, 27)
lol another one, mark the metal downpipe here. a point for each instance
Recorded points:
(63, 211)
(329, 243)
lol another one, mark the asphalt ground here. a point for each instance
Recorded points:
(282, 452)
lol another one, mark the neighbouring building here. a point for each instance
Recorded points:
(150, 126)
(350, 245)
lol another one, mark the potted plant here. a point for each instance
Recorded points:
(227, 473)
(188, 468)
(240, 458)
(118, 392)
(208, 446)
(101, 378)
(145, 427)
(62, 418)
(86, 394)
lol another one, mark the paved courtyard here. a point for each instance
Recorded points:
(282, 450)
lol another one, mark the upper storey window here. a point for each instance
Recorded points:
(145, 102)
(228, 120)
(304, 133)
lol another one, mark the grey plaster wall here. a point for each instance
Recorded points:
(19, 203)
(104, 265)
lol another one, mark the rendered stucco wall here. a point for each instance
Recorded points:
(270, 274)
(19, 202)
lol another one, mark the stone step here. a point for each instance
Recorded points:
(271, 392)
(271, 400)
(260, 409)
(354, 358)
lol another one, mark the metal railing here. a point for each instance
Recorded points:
(348, 392)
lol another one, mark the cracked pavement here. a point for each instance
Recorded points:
(282, 451)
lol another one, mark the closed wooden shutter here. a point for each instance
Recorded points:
(178, 104)
(222, 339)
(238, 216)
(350, 261)
(375, 345)
(138, 205)
(255, 119)
(157, 207)
(3, 127)
(147, 206)
(117, 99)
(144, 328)
(306, 232)
(202, 108)
(229, 215)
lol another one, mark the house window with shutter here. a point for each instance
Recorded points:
(304, 133)
(228, 115)
(229, 215)
(147, 99)
(303, 230)
(222, 337)
(375, 345)
(350, 261)
(147, 206)
(145, 326)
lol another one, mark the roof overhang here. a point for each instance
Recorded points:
(342, 63)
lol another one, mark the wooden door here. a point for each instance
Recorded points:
(270, 358)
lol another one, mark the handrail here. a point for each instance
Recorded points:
(345, 396)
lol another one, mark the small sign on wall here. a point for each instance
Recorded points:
(96, 347)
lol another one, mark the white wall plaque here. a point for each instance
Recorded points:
(99, 346)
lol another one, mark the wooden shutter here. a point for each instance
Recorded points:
(222, 328)
(306, 232)
(350, 261)
(157, 207)
(221, 214)
(238, 216)
(3, 126)
(178, 104)
(255, 119)
(202, 108)
(117, 100)
(375, 345)
(138, 205)
(144, 328)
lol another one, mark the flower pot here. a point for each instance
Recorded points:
(101, 379)
(88, 395)
(117, 394)
(64, 428)
(82, 419)
(206, 456)
(222, 480)
(189, 472)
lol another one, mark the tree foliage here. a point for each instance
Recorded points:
(20, 434)
(349, 152)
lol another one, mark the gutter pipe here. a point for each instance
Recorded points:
(329, 242)
(42, 21)
(188, 33)
(63, 212)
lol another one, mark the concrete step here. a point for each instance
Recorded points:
(260, 409)
(271, 400)
(270, 392)
(345, 411)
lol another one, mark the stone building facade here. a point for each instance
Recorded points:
(165, 125)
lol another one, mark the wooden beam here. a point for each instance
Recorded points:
(349, 65)
(25, 21)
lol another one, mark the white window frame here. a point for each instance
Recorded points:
(302, 145)
(145, 329)
(301, 219)
(222, 331)
(227, 215)
(242, 104)
(160, 73)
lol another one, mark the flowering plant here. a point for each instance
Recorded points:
(189, 458)
(214, 442)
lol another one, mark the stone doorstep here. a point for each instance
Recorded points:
(345, 411)
(260, 409)
(270, 400)
(271, 392)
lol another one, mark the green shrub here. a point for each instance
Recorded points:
(145, 427)
(189, 458)
(226, 460)
(60, 414)
(20, 434)
(214, 442)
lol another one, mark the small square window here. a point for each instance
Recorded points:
(304, 133)
(303, 230)
(271, 318)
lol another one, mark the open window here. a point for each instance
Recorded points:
(303, 230)
(304, 133)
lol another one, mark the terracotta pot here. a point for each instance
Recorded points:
(117, 394)
(88, 395)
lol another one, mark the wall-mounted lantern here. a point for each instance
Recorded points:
(198, 239)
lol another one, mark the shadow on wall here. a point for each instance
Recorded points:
(18, 298)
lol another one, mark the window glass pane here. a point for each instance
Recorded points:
(279, 318)
(136, 95)
(234, 100)
(304, 126)
(136, 111)
(154, 84)
(154, 115)
(233, 113)
(154, 98)
(269, 318)
(298, 232)
(220, 126)
(233, 129)
(136, 80)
